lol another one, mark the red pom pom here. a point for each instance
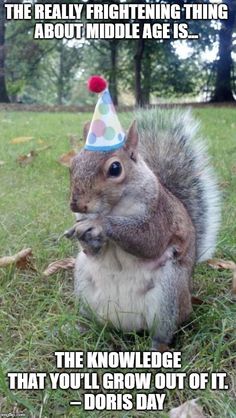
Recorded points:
(96, 84)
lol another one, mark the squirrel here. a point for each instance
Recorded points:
(146, 214)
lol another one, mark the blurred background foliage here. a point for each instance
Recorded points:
(139, 71)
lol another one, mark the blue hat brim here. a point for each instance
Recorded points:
(106, 148)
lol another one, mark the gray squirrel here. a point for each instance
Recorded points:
(146, 214)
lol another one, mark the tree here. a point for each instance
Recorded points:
(224, 65)
(113, 47)
(157, 66)
(101, 57)
(138, 67)
(64, 68)
(3, 89)
(24, 65)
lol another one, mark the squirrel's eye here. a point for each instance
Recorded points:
(115, 169)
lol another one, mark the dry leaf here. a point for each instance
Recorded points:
(188, 409)
(74, 141)
(218, 264)
(22, 260)
(226, 265)
(21, 139)
(65, 264)
(26, 159)
(196, 300)
(224, 184)
(44, 148)
(65, 159)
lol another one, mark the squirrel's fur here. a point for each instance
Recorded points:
(143, 231)
(172, 147)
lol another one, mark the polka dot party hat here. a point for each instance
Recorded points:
(105, 132)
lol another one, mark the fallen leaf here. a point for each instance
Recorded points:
(65, 264)
(218, 264)
(26, 159)
(2, 162)
(44, 148)
(196, 300)
(224, 184)
(65, 159)
(21, 139)
(226, 265)
(188, 409)
(22, 260)
(74, 141)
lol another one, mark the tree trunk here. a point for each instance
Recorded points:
(138, 71)
(3, 90)
(60, 87)
(146, 78)
(113, 73)
(224, 65)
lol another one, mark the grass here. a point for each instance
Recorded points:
(40, 316)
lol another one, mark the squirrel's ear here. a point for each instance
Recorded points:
(86, 130)
(131, 143)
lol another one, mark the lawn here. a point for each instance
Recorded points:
(40, 316)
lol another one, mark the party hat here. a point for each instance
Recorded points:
(105, 132)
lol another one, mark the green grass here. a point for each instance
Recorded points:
(39, 315)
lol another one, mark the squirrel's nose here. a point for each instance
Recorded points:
(83, 208)
(75, 207)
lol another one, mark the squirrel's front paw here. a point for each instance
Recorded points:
(91, 236)
(92, 242)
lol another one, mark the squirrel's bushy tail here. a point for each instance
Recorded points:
(170, 144)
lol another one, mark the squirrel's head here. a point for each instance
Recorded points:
(101, 180)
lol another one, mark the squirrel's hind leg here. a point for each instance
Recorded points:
(169, 305)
